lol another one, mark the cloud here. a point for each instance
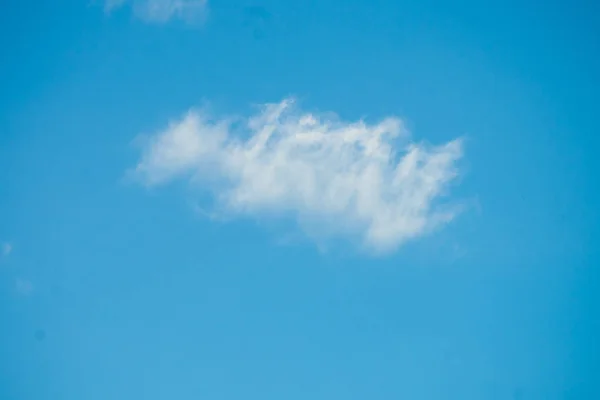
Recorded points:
(23, 286)
(162, 11)
(6, 249)
(337, 178)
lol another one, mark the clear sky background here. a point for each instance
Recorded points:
(125, 275)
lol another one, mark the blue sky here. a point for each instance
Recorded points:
(317, 199)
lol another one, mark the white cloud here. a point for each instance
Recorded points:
(336, 177)
(161, 11)
(23, 286)
(6, 249)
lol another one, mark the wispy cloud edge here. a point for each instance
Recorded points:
(6, 249)
(23, 287)
(162, 11)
